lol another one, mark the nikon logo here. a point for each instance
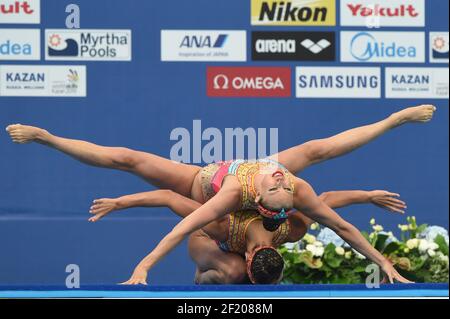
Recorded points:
(294, 12)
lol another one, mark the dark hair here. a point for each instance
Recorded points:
(271, 224)
(267, 266)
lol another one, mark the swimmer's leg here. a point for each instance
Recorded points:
(154, 169)
(215, 266)
(299, 157)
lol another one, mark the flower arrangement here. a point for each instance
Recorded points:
(421, 255)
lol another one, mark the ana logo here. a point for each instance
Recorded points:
(439, 46)
(364, 47)
(248, 81)
(293, 12)
(316, 47)
(204, 41)
(17, 11)
(57, 46)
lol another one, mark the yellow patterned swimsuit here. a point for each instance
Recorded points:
(212, 177)
(238, 224)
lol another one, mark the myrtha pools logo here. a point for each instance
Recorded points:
(439, 47)
(98, 45)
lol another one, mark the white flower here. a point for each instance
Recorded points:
(431, 232)
(431, 252)
(443, 257)
(423, 245)
(372, 235)
(316, 251)
(327, 236)
(314, 226)
(340, 251)
(318, 243)
(310, 239)
(319, 251)
(403, 228)
(377, 228)
(412, 243)
(433, 246)
(348, 254)
(372, 221)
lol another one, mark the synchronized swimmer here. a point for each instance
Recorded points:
(267, 186)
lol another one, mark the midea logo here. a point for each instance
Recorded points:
(364, 47)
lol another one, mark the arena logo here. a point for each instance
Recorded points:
(18, 11)
(293, 46)
(338, 82)
(379, 13)
(439, 47)
(248, 81)
(404, 47)
(249, 143)
(40, 80)
(20, 44)
(293, 12)
(97, 45)
(203, 45)
(407, 83)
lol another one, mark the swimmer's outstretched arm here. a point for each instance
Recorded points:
(180, 205)
(383, 199)
(306, 201)
(225, 201)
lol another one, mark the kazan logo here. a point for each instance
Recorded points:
(57, 46)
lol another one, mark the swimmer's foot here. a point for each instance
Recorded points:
(422, 113)
(23, 134)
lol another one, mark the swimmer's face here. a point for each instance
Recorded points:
(276, 191)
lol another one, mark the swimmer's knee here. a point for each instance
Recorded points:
(125, 158)
(234, 273)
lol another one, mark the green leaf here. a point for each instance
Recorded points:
(443, 247)
(391, 248)
(380, 242)
(365, 235)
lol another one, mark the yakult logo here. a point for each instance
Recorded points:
(382, 13)
(248, 81)
(16, 11)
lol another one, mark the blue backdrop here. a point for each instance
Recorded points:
(45, 196)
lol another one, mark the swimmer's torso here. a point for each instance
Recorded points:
(212, 176)
(238, 224)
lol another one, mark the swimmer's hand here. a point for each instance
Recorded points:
(392, 275)
(387, 200)
(139, 277)
(102, 207)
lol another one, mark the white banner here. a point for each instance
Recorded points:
(338, 82)
(417, 83)
(20, 11)
(383, 13)
(203, 45)
(389, 46)
(88, 45)
(43, 80)
(20, 44)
